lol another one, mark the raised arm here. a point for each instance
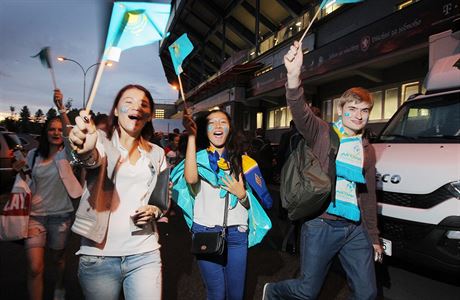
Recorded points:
(57, 98)
(83, 138)
(306, 121)
(191, 168)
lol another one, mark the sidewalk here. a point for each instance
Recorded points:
(181, 277)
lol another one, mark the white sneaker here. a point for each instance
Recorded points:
(264, 297)
(59, 294)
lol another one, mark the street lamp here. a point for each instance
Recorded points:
(62, 58)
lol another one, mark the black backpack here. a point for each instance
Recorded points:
(305, 188)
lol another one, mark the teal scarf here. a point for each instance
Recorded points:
(349, 170)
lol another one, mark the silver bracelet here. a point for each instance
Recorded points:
(77, 161)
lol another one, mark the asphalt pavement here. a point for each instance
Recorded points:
(181, 277)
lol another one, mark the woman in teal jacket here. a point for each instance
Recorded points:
(201, 183)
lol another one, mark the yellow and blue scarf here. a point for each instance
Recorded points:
(258, 221)
(349, 170)
(219, 164)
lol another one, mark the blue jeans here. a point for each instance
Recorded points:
(321, 240)
(103, 277)
(52, 231)
(224, 276)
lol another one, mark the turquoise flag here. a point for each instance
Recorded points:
(45, 57)
(135, 24)
(179, 50)
(326, 2)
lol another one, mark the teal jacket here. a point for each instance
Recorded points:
(258, 224)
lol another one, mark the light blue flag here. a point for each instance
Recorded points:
(135, 24)
(179, 50)
(326, 2)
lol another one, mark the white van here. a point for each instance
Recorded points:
(418, 166)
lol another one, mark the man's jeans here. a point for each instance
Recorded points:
(321, 240)
(224, 276)
(102, 277)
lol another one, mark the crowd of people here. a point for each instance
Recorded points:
(214, 185)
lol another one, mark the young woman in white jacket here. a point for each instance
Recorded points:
(127, 256)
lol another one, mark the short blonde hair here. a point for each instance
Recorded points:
(356, 95)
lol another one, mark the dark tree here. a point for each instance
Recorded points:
(24, 119)
(51, 113)
(39, 116)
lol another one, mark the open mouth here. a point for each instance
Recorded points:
(134, 117)
(218, 133)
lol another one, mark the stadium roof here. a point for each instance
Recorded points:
(223, 24)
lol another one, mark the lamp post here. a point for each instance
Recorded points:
(85, 71)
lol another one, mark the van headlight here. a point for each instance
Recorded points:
(454, 188)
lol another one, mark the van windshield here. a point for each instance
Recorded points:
(428, 120)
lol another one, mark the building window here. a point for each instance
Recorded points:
(326, 110)
(246, 120)
(409, 89)
(279, 118)
(259, 120)
(335, 114)
(405, 4)
(329, 8)
(159, 113)
(391, 103)
(376, 112)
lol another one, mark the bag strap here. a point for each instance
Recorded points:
(333, 150)
(224, 226)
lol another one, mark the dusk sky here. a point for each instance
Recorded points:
(74, 29)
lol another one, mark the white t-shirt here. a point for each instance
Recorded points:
(50, 196)
(131, 184)
(209, 208)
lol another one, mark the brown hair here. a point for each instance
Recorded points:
(146, 132)
(357, 95)
(233, 144)
(43, 144)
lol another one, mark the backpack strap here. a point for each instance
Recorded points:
(333, 150)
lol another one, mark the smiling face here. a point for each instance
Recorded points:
(55, 133)
(133, 112)
(354, 116)
(218, 128)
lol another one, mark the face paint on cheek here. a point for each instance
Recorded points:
(347, 114)
(210, 128)
(124, 109)
(226, 129)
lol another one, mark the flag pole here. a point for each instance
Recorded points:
(100, 70)
(53, 77)
(309, 25)
(181, 90)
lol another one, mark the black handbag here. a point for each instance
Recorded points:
(211, 243)
(160, 194)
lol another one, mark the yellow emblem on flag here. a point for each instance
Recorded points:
(136, 23)
(258, 180)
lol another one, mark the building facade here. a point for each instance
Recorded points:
(237, 63)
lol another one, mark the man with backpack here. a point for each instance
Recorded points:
(347, 227)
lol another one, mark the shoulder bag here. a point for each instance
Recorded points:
(211, 243)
